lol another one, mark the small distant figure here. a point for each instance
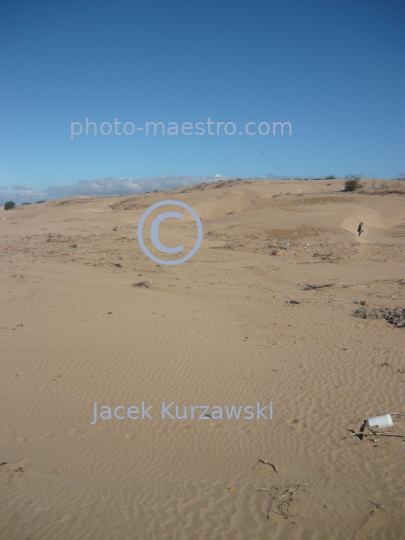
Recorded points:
(360, 228)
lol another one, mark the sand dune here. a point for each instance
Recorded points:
(218, 330)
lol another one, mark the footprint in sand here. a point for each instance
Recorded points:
(298, 422)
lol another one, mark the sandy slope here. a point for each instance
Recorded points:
(217, 330)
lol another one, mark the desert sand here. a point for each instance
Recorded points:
(86, 317)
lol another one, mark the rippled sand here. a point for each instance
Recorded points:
(218, 330)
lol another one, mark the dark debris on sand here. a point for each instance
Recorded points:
(395, 316)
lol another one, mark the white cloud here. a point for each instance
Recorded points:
(101, 187)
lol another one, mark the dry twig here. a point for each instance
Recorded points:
(268, 463)
(308, 287)
(373, 433)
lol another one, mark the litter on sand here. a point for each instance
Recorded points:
(382, 421)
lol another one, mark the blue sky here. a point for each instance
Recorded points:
(334, 70)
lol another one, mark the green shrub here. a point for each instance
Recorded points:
(330, 177)
(22, 204)
(38, 202)
(9, 205)
(352, 183)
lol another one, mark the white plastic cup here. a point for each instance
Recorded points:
(382, 421)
